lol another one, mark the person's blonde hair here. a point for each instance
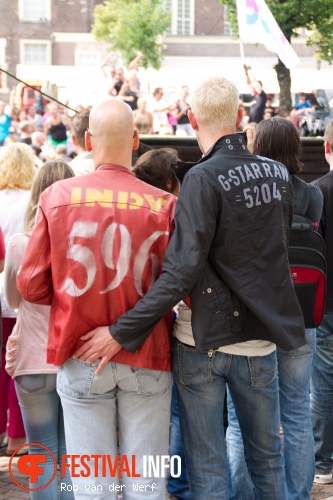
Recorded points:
(328, 135)
(49, 173)
(215, 103)
(17, 166)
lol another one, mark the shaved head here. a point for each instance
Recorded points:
(112, 136)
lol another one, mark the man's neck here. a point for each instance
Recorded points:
(79, 150)
(207, 141)
(112, 159)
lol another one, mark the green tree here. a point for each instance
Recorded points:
(314, 15)
(132, 26)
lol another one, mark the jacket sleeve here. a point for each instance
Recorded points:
(315, 207)
(34, 279)
(196, 216)
(322, 218)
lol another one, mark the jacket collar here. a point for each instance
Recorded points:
(227, 143)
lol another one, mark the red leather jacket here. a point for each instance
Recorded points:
(96, 249)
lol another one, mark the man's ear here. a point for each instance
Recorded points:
(239, 116)
(327, 148)
(74, 140)
(136, 140)
(193, 120)
(87, 141)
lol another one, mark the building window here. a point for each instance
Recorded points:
(34, 10)
(87, 58)
(228, 31)
(182, 17)
(168, 8)
(35, 52)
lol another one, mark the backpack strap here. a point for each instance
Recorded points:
(301, 196)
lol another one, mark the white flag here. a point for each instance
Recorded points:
(257, 24)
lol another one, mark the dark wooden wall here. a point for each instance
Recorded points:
(313, 157)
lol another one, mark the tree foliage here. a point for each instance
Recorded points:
(132, 26)
(314, 15)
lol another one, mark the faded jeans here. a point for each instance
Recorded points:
(44, 424)
(138, 400)
(294, 369)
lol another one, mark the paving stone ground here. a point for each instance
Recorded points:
(10, 491)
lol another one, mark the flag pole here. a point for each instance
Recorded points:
(241, 48)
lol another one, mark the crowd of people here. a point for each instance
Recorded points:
(133, 296)
(310, 114)
(50, 133)
(46, 126)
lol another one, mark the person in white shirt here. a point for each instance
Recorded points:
(158, 108)
(34, 118)
(83, 163)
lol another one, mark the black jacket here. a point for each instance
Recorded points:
(229, 252)
(325, 184)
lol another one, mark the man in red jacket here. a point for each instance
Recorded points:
(96, 249)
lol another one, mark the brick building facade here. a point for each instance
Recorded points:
(46, 32)
(57, 32)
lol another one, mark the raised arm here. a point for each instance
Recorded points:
(103, 64)
(122, 93)
(178, 113)
(251, 79)
(134, 64)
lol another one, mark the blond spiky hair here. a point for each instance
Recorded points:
(215, 103)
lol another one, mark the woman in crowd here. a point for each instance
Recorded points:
(35, 380)
(153, 167)
(18, 117)
(180, 113)
(17, 172)
(129, 91)
(143, 120)
(26, 129)
(55, 128)
(278, 138)
(2, 265)
(35, 119)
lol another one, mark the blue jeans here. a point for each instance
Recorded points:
(294, 368)
(241, 485)
(322, 395)
(201, 378)
(43, 422)
(177, 486)
(138, 401)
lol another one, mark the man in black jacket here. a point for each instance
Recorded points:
(322, 367)
(229, 252)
